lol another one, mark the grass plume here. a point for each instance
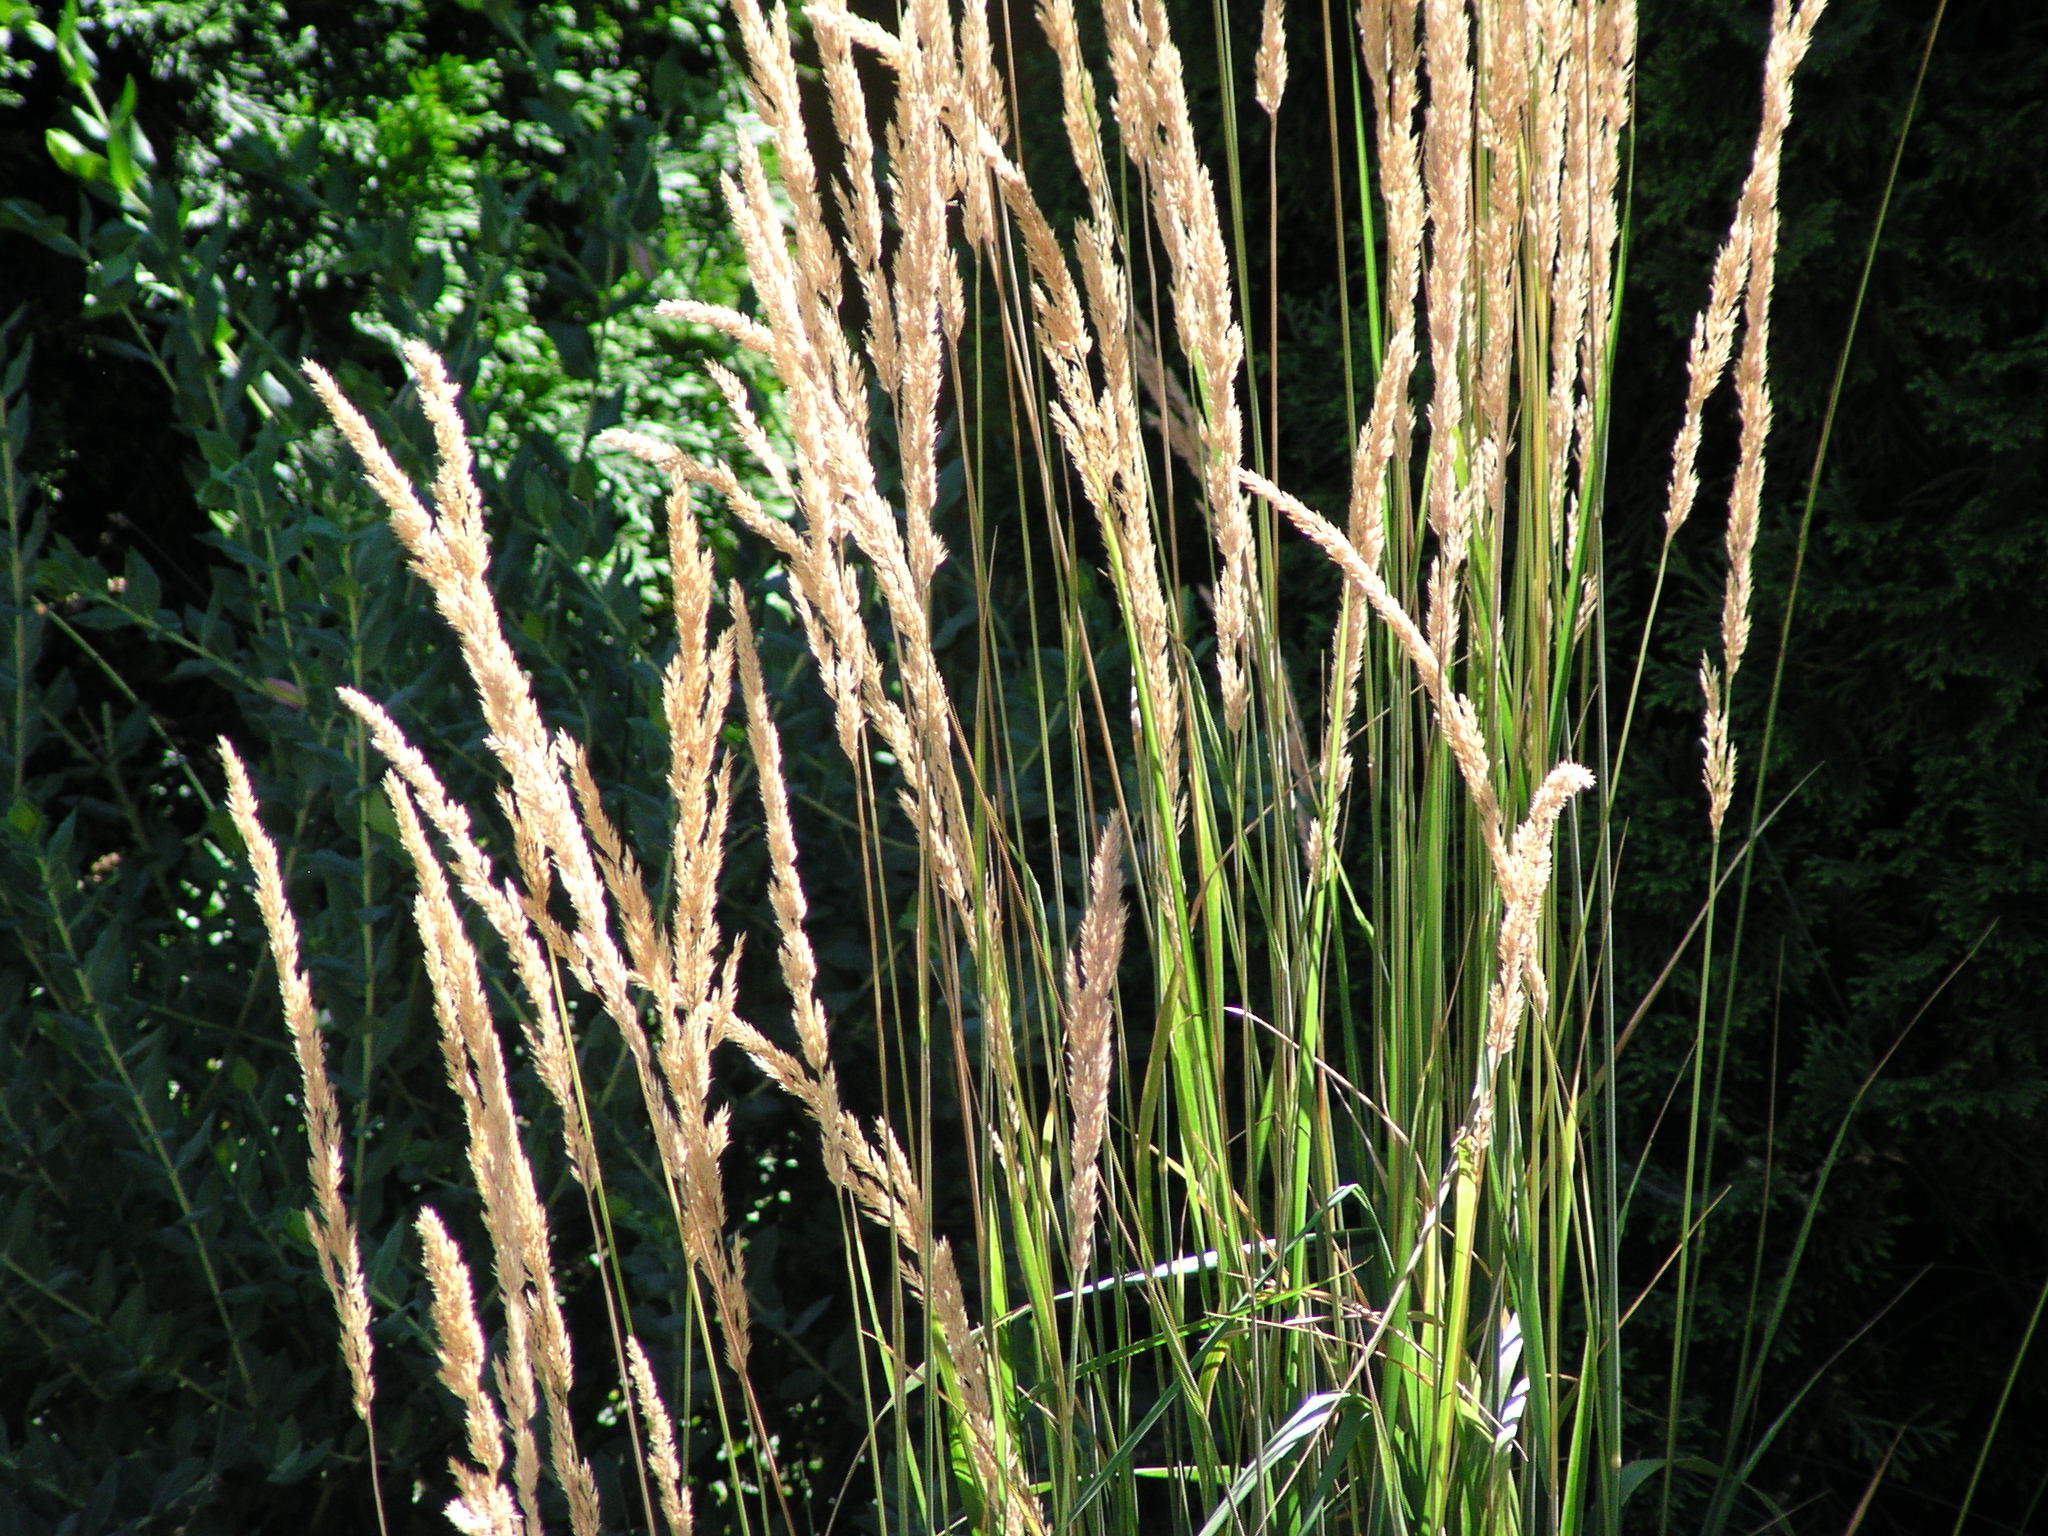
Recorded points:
(1285, 1203)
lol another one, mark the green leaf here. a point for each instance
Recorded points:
(1302, 1425)
(295, 1466)
(41, 225)
(74, 159)
(1636, 1473)
(573, 345)
(120, 164)
(141, 589)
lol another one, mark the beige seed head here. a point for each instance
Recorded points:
(1269, 68)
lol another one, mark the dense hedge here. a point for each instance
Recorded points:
(238, 186)
(1899, 907)
(197, 197)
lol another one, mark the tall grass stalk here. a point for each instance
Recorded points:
(1272, 998)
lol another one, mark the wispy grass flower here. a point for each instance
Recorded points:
(1286, 1205)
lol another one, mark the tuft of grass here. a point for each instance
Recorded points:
(1269, 1001)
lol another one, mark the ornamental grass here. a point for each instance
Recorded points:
(1240, 899)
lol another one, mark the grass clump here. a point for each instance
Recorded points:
(1253, 1015)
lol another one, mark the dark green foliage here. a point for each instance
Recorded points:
(1901, 897)
(197, 198)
